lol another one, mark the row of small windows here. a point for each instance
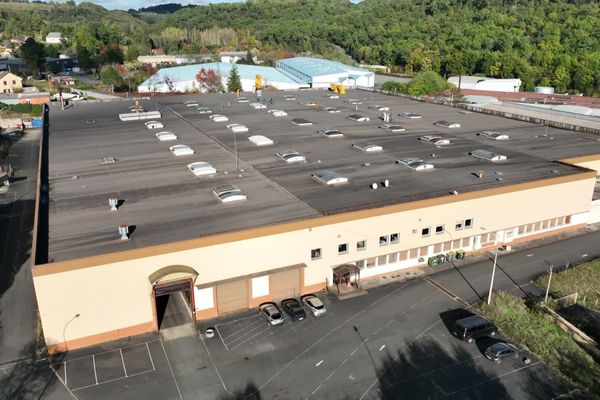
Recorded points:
(460, 225)
(361, 245)
(6, 83)
(547, 224)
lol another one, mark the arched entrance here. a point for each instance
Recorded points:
(173, 296)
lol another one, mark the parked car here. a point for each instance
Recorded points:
(501, 350)
(473, 327)
(154, 125)
(314, 304)
(294, 309)
(272, 313)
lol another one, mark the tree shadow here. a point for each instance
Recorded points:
(30, 378)
(250, 392)
(425, 370)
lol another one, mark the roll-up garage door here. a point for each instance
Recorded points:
(162, 289)
(232, 296)
(285, 284)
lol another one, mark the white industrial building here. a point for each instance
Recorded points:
(483, 83)
(183, 79)
(318, 73)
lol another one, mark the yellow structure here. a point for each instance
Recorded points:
(258, 82)
(10, 82)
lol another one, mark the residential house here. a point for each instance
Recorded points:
(54, 38)
(10, 82)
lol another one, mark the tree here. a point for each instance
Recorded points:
(33, 54)
(209, 81)
(248, 59)
(233, 82)
(84, 59)
(133, 52)
(112, 54)
(426, 83)
(110, 77)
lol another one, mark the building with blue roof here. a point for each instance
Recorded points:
(183, 79)
(319, 73)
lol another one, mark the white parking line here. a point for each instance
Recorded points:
(123, 362)
(94, 364)
(171, 369)
(150, 355)
(250, 338)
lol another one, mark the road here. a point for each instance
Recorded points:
(17, 297)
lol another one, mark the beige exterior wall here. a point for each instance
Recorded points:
(10, 82)
(118, 294)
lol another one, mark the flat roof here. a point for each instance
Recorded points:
(164, 202)
(316, 67)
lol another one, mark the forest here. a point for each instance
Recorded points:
(542, 42)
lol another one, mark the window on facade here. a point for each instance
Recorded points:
(394, 238)
(545, 224)
(466, 242)
(538, 226)
(552, 223)
(468, 223)
(423, 251)
(425, 232)
(14, 82)
(568, 219)
(343, 248)
(361, 245)
(439, 229)
(371, 262)
(458, 226)
(360, 264)
(484, 238)
(414, 253)
(315, 254)
(381, 260)
(383, 240)
(403, 255)
(392, 258)
(437, 247)
(5, 84)
(522, 229)
(447, 246)
(456, 244)
(492, 236)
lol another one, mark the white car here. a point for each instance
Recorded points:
(166, 136)
(272, 313)
(358, 118)
(447, 124)
(181, 150)
(494, 135)
(330, 110)
(260, 140)
(277, 113)
(379, 108)
(219, 118)
(237, 128)
(191, 103)
(291, 156)
(200, 168)
(242, 99)
(392, 127)
(435, 140)
(258, 106)
(314, 304)
(154, 125)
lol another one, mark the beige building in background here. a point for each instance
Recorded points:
(10, 82)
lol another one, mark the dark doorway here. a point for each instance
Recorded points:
(173, 303)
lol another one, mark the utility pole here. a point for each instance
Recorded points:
(489, 300)
(548, 287)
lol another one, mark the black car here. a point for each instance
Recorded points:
(473, 327)
(294, 309)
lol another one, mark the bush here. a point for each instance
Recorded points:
(427, 83)
(533, 329)
(394, 86)
(33, 109)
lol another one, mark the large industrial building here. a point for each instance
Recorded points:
(484, 83)
(366, 204)
(289, 74)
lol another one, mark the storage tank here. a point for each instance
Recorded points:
(544, 89)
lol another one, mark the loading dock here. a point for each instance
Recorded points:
(232, 296)
(173, 302)
(285, 284)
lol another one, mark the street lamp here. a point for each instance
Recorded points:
(65, 329)
(489, 300)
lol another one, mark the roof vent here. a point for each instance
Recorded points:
(554, 171)
(124, 232)
(113, 203)
(374, 186)
(385, 183)
(454, 192)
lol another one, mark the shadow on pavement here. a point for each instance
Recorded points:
(425, 370)
(250, 392)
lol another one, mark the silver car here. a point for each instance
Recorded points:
(272, 313)
(500, 350)
(314, 304)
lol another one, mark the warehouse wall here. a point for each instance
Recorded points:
(114, 298)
